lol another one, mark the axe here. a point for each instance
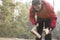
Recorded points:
(34, 31)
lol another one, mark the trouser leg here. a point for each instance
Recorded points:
(48, 37)
(40, 32)
(40, 28)
(47, 25)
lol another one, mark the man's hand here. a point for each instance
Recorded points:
(47, 31)
(36, 25)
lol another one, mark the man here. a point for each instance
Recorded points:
(46, 17)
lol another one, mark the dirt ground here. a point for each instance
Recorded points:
(16, 39)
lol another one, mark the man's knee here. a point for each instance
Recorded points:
(48, 37)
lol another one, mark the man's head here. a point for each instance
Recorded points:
(36, 4)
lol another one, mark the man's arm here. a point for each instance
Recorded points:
(32, 16)
(34, 29)
(53, 17)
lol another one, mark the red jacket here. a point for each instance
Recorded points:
(48, 12)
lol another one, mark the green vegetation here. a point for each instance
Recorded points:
(10, 28)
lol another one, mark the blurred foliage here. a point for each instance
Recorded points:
(10, 28)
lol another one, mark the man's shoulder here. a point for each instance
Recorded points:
(48, 5)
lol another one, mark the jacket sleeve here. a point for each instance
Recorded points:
(32, 16)
(53, 22)
(53, 17)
